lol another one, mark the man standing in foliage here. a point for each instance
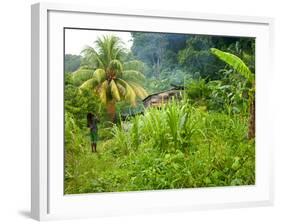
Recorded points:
(93, 125)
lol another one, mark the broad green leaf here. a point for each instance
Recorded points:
(235, 62)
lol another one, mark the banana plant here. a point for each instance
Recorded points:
(240, 67)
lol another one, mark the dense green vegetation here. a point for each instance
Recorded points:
(204, 139)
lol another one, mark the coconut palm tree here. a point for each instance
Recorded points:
(243, 70)
(108, 76)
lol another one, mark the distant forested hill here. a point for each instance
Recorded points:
(72, 62)
(170, 53)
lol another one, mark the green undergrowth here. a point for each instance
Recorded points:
(177, 146)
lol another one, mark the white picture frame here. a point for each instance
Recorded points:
(47, 198)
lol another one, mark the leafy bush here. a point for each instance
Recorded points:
(80, 102)
(198, 91)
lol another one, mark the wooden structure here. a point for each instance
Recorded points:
(160, 98)
(155, 100)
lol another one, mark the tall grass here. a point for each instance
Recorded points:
(166, 129)
(176, 146)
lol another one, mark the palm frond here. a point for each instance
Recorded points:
(92, 56)
(81, 75)
(95, 78)
(130, 95)
(114, 90)
(103, 91)
(133, 75)
(116, 65)
(110, 80)
(140, 92)
(89, 84)
(99, 75)
(109, 47)
(115, 46)
(118, 53)
(121, 88)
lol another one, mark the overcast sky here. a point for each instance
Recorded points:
(76, 40)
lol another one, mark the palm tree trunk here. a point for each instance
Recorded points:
(111, 110)
(252, 120)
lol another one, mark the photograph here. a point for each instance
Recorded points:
(150, 111)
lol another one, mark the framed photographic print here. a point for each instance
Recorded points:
(148, 111)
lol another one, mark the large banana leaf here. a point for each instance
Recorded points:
(235, 62)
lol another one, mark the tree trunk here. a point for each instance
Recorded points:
(111, 110)
(252, 120)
